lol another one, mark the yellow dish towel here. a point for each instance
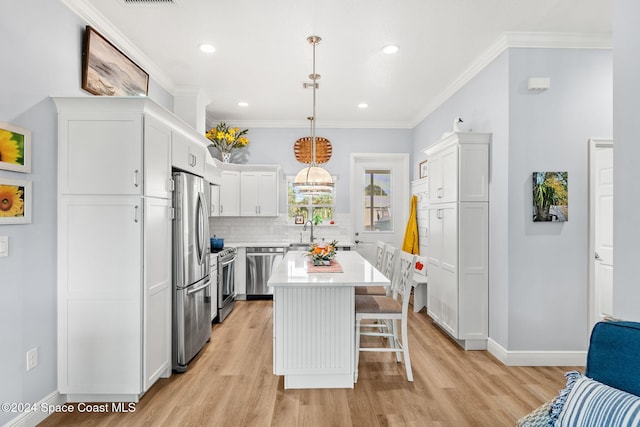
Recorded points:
(410, 243)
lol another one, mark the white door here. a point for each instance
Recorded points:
(602, 229)
(379, 199)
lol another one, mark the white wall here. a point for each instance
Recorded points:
(538, 272)
(548, 131)
(626, 157)
(41, 46)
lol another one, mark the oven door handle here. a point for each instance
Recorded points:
(199, 288)
(228, 261)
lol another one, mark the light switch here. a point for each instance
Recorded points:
(4, 246)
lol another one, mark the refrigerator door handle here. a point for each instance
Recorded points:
(200, 229)
(199, 288)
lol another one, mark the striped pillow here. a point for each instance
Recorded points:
(591, 403)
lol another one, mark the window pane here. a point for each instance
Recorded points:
(377, 200)
(325, 212)
(298, 204)
(325, 199)
(299, 210)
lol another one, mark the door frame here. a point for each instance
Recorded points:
(594, 143)
(403, 210)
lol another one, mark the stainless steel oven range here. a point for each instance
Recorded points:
(226, 281)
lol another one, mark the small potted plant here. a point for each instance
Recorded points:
(322, 253)
(227, 139)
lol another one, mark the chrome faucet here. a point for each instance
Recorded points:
(311, 238)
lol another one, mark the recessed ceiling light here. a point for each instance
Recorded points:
(207, 48)
(243, 104)
(363, 105)
(390, 49)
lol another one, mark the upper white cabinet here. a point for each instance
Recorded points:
(458, 168)
(100, 153)
(188, 154)
(259, 193)
(249, 190)
(230, 193)
(457, 224)
(157, 158)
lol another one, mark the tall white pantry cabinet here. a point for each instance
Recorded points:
(114, 245)
(458, 236)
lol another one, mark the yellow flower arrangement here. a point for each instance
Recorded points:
(226, 139)
(11, 201)
(322, 252)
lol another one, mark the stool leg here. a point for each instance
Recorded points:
(396, 342)
(405, 346)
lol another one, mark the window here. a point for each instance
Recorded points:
(377, 200)
(308, 206)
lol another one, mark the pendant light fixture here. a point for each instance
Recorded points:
(313, 180)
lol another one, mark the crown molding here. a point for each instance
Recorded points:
(94, 18)
(299, 124)
(515, 40)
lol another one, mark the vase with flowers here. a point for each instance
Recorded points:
(322, 253)
(227, 139)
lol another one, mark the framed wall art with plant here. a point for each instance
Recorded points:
(15, 148)
(15, 201)
(550, 196)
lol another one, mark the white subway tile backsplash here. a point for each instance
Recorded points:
(257, 229)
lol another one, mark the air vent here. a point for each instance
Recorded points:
(155, 2)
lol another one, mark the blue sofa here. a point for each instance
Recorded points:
(608, 394)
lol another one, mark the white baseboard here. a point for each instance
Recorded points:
(33, 418)
(536, 358)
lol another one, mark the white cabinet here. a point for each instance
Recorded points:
(458, 168)
(214, 209)
(249, 190)
(457, 236)
(230, 193)
(102, 154)
(259, 196)
(188, 154)
(114, 246)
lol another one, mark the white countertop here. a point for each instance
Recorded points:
(275, 244)
(292, 272)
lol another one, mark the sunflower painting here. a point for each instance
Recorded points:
(15, 148)
(15, 201)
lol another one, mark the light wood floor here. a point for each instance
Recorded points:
(231, 383)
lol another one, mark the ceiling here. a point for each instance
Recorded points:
(262, 56)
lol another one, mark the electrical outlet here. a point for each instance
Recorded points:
(32, 358)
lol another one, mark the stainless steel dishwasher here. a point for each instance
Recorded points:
(261, 261)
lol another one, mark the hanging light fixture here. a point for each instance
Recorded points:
(313, 180)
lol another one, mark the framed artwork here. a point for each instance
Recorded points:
(299, 219)
(108, 71)
(550, 196)
(15, 148)
(423, 169)
(15, 201)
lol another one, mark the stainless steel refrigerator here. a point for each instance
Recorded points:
(191, 281)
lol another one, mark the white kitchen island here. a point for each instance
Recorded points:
(314, 320)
